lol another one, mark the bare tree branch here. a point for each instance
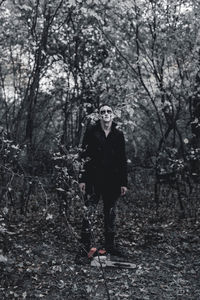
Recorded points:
(57, 9)
(2, 1)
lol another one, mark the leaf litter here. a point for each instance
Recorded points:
(39, 263)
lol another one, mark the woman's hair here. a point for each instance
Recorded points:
(104, 104)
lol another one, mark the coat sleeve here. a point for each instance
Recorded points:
(123, 162)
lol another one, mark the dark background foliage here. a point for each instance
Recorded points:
(59, 60)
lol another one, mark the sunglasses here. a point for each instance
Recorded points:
(108, 111)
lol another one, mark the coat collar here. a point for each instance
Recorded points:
(98, 125)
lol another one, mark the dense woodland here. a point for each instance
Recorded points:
(59, 60)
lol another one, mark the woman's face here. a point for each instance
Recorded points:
(106, 113)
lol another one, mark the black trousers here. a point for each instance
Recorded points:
(109, 209)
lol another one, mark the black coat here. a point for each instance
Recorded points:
(105, 158)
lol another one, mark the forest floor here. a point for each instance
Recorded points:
(38, 260)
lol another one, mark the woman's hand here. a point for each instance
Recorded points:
(123, 190)
(82, 187)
